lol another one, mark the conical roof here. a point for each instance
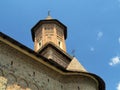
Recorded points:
(75, 65)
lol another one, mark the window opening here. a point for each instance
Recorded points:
(61, 87)
(40, 43)
(48, 80)
(78, 88)
(60, 44)
(11, 62)
(33, 73)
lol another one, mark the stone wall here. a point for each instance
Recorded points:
(25, 71)
(20, 71)
(78, 82)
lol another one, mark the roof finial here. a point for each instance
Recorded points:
(73, 52)
(49, 13)
(49, 17)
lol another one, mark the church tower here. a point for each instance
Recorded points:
(49, 37)
(48, 67)
(49, 31)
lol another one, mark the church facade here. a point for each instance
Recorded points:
(48, 66)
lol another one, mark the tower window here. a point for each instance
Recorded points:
(60, 44)
(40, 44)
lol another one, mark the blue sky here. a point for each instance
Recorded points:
(93, 30)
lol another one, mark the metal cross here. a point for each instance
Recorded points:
(48, 13)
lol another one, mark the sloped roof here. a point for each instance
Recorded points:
(56, 48)
(75, 65)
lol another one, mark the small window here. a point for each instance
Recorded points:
(40, 44)
(33, 73)
(11, 63)
(48, 80)
(60, 44)
(61, 87)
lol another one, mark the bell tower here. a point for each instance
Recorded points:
(49, 31)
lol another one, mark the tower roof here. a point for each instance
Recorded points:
(48, 20)
(48, 17)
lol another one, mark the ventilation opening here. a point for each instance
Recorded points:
(78, 88)
(48, 80)
(33, 73)
(60, 44)
(11, 63)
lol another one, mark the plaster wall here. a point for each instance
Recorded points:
(22, 70)
(79, 83)
(18, 70)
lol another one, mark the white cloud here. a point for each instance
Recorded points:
(92, 49)
(118, 2)
(118, 86)
(99, 35)
(119, 39)
(114, 61)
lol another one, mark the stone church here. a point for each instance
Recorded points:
(48, 66)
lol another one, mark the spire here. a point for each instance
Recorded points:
(48, 17)
(49, 30)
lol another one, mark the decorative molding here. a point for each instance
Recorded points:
(11, 78)
(1, 72)
(22, 82)
(34, 86)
